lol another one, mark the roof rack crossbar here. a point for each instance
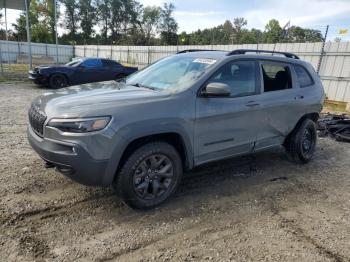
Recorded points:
(243, 51)
(193, 50)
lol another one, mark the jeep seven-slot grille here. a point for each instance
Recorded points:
(36, 120)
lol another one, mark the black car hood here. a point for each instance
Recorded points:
(80, 100)
(51, 67)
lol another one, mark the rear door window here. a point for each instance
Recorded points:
(276, 77)
(92, 63)
(303, 76)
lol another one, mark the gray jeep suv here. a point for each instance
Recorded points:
(191, 108)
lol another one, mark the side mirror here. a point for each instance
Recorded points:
(216, 89)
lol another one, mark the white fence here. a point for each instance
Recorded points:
(10, 51)
(334, 70)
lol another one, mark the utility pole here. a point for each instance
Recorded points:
(28, 35)
(322, 51)
(7, 36)
(56, 38)
(2, 67)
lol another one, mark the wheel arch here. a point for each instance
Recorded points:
(59, 73)
(172, 138)
(122, 151)
(314, 116)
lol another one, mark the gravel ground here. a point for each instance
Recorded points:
(261, 207)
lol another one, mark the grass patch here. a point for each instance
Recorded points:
(12, 78)
(15, 68)
(13, 72)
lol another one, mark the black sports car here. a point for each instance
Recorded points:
(80, 71)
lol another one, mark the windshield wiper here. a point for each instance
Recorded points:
(143, 86)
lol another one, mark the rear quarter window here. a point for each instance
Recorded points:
(303, 76)
(109, 63)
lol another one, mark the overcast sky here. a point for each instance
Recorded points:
(198, 14)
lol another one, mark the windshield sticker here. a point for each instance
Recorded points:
(204, 61)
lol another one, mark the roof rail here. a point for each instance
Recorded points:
(193, 50)
(243, 51)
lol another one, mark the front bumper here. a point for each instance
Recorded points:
(70, 159)
(37, 78)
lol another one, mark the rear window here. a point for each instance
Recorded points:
(303, 76)
(276, 77)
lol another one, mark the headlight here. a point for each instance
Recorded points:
(80, 125)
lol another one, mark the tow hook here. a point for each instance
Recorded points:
(49, 165)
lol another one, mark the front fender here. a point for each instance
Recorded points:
(48, 73)
(134, 131)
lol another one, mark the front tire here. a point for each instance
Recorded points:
(301, 143)
(120, 77)
(58, 81)
(149, 176)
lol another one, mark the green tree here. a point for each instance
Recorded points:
(228, 31)
(136, 34)
(87, 14)
(104, 17)
(40, 30)
(238, 24)
(312, 35)
(168, 25)
(131, 20)
(20, 25)
(71, 18)
(184, 38)
(47, 13)
(298, 34)
(41, 33)
(115, 23)
(273, 31)
(150, 22)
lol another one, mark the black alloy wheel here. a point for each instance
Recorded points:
(58, 81)
(153, 176)
(149, 176)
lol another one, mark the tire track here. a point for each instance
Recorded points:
(49, 211)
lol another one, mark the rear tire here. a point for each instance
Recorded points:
(150, 175)
(58, 81)
(300, 144)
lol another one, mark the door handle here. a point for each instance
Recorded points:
(298, 97)
(252, 103)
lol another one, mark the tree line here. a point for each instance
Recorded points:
(127, 22)
(236, 32)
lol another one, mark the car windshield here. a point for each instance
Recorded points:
(74, 62)
(172, 73)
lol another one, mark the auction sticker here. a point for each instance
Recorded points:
(204, 61)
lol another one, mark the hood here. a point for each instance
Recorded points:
(37, 68)
(88, 99)
(49, 66)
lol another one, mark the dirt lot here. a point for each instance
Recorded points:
(260, 207)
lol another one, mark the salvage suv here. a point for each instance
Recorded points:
(185, 110)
